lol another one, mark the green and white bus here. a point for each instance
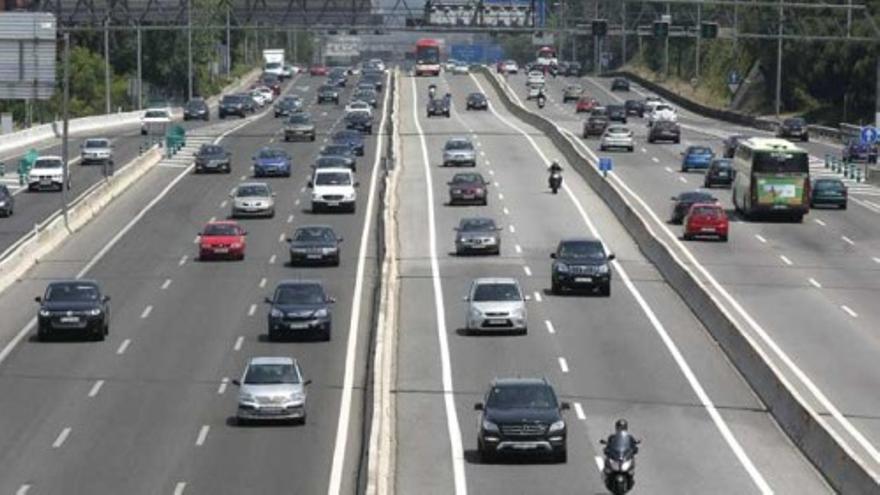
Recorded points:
(772, 177)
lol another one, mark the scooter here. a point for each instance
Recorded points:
(541, 101)
(555, 181)
(620, 467)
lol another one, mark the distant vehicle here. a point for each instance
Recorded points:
(459, 151)
(155, 120)
(535, 78)
(585, 104)
(288, 106)
(828, 191)
(664, 131)
(96, 150)
(335, 161)
(273, 82)
(47, 173)
(312, 244)
(351, 138)
(534, 92)
(477, 235)
(595, 125)
(662, 112)
(617, 136)
(696, 156)
(730, 143)
(271, 389)
(682, 203)
(856, 151)
(250, 103)
(468, 187)
(706, 219)
(213, 158)
(196, 108)
(521, 416)
(634, 107)
(367, 96)
(262, 97)
(7, 201)
(378, 64)
(253, 199)
(581, 263)
(616, 113)
(720, 171)
(232, 105)
(328, 93)
(794, 127)
(288, 71)
(222, 239)
(477, 101)
(299, 125)
(359, 106)
(461, 69)
(510, 67)
(273, 60)
(73, 306)
(344, 149)
(496, 304)
(619, 84)
(772, 176)
(572, 92)
(376, 79)
(318, 70)
(333, 188)
(359, 121)
(272, 162)
(438, 106)
(546, 56)
(427, 57)
(299, 307)
(573, 69)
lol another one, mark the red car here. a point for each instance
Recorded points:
(318, 70)
(222, 239)
(586, 104)
(706, 219)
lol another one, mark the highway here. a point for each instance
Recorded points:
(639, 354)
(151, 409)
(805, 292)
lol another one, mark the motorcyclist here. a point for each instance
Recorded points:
(541, 98)
(431, 90)
(622, 436)
(555, 179)
(555, 167)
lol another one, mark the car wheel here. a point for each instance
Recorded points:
(98, 336)
(313, 137)
(677, 140)
(555, 287)
(42, 335)
(601, 148)
(688, 237)
(650, 140)
(325, 335)
(684, 168)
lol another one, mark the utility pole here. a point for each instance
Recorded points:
(189, 50)
(666, 46)
(877, 98)
(296, 47)
(699, 39)
(65, 111)
(623, 35)
(107, 108)
(140, 75)
(228, 42)
(779, 61)
(735, 27)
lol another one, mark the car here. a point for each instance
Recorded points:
(438, 106)
(461, 69)
(328, 93)
(196, 108)
(359, 106)
(47, 172)
(534, 78)
(288, 106)
(634, 107)
(271, 389)
(250, 103)
(367, 96)
(340, 149)
(337, 72)
(595, 125)
(856, 151)
(720, 171)
(366, 86)
(335, 161)
(521, 416)
(581, 264)
(510, 67)
(288, 71)
(477, 101)
(376, 79)
(459, 151)
(299, 126)
(273, 68)
(616, 113)
(155, 120)
(469, 187)
(534, 92)
(7, 201)
(350, 138)
(73, 306)
(298, 307)
(664, 131)
(477, 235)
(794, 127)
(359, 121)
(619, 84)
(333, 188)
(681, 204)
(213, 158)
(572, 69)
(828, 191)
(260, 97)
(311, 244)
(662, 112)
(617, 136)
(96, 150)
(253, 199)
(696, 156)
(318, 70)
(377, 64)
(585, 104)
(273, 82)
(730, 144)
(222, 239)
(450, 63)
(496, 305)
(267, 92)
(232, 105)
(572, 92)
(272, 162)
(706, 219)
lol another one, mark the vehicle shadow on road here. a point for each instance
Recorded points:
(472, 456)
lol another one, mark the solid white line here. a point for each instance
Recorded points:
(760, 238)
(59, 441)
(815, 283)
(563, 364)
(203, 435)
(272, 259)
(579, 411)
(549, 325)
(238, 342)
(123, 346)
(96, 388)
(166, 284)
(263, 282)
(223, 384)
(252, 310)
(458, 471)
(518, 249)
(512, 228)
(785, 259)
(527, 270)
(820, 222)
(538, 296)
(848, 240)
(182, 260)
(290, 219)
(147, 311)
(849, 311)
(876, 259)
(179, 488)
(682, 179)
(506, 211)
(23, 489)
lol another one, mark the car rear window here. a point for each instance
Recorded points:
(828, 185)
(271, 154)
(695, 197)
(496, 292)
(780, 162)
(521, 397)
(459, 145)
(211, 150)
(707, 211)
(700, 150)
(466, 178)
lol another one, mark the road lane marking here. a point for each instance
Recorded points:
(223, 384)
(518, 249)
(96, 388)
(876, 259)
(506, 211)
(820, 222)
(243, 177)
(655, 159)
(549, 325)
(290, 219)
(179, 488)
(272, 259)
(212, 219)
(600, 462)
(527, 270)
(849, 311)
(23, 490)
(223, 203)
(182, 260)
(500, 196)
(669, 169)
(538, 296)
(760, 238)
(123, 346)
(682, 179)
(848, 240)
(166, 284)
(147, 311)
(238, 342)
(815, 283)
(497, 184)
(203, 435)
(491, 172)
(196, 240)
(295, 203)
(59, 441)
(252, 310)
(282, 237)
(511, 228)
(579, 411)
(263, 282)
(563, 364)
(644, 150)
(785, 259)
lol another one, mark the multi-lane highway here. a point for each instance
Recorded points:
(150, 410)
(639, 354)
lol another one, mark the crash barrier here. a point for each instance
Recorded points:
(850, 170)
(843, 471)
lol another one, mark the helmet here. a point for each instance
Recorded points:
(621, 425)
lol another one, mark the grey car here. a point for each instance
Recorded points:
(299, 126)
(253, 199)
(572, 93)
(313, 244)
(477, 235)
(96, 150)
(459, 151)
(7, 201)
(496, 305)
(213, 158)
(271, 388)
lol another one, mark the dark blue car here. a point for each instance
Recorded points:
(354, 140)
(272, 162)
(299, 307)
(696, 157)
(855, 151)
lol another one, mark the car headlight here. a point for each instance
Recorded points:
(476, 313)
(94, 312)
(276, 313)
(328, 250)
(246, 398)
(490, 426)
(350, 196)
(2, 203)
(561, 267)
(602, 270)
(321, 313)
(45, 312)
(557, 426)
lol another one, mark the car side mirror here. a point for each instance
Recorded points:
(357, 184)
(307, 383)
(289, 239)
(244, 232)
(674, 198)
(274, 194)
(553, 256)
(267, 300)
(253, 158)
(331, 299)
(106, 299)
(478, 406)
(38, 299)
(466, 298)
(603, 442)
(310, 185)
(611, 256)
(236, 382)
(565, 406)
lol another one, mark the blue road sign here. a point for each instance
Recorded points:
(733, 77)
(868, 135)
(605, 165)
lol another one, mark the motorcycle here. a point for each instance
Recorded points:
(555, 181)
(541, 101)
(432, 89)
(620, 464)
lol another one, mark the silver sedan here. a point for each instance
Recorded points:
(616, 136)
(477, 235)
(496, 304)
(459, 151)
(271, 388)
(253, 199)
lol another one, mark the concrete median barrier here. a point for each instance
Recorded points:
(844, 471)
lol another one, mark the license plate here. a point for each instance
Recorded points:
(313, 256)
(707, 229)
(583, 279)
(45, 182)
(780, 207)
(333, 203)
(468, 196)
(69, 319)
(524, 446)
(221, 250)
(497, 321)
(299, 326)
(270, 410)
(722, 174)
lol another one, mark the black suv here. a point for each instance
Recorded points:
(438, 106)
(794, 127)
(477, 101)
(314, 244)
(359, 121)
(328, 93)
(720, 171)
(522, 415)
(299, 306)
(595, 125)
(73, 306)
(617, 113)
(581, 264)
(233, 105)
(664, 130)
(634, 107)
(196, 109)
(7, 201)
(619, 84)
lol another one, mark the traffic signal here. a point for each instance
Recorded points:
(661, 29)
(600, 27)
(709, 30)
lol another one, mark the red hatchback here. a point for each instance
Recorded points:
(706, 219)
(318, 70)
(224, 239)
(586, 104)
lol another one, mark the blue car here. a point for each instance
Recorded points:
(352, 138)
(696, 157)
(854, 151)
(272, 162)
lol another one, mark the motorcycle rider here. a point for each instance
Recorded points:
(431, 90)
(622, 436)
(555, 179)
(542, 100)
(620, 440)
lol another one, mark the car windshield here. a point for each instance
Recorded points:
(665, 125)
(336, 149)
(591, 250)
(211, 150)
(327, 89)
(72, 292)
(663, 108)
(722, 164)
(271, 153)
(220, 229)
(300, 294)
(333, 179)
(699, 150)
(476, 225)
(459, 145)
(298, 119)
(230, 100)
(364, 95)
(795, 122)
(97, 143)
(252, 190)
(47, 163)
(618, 130)
(271, 374)
(521, 397)
(273, 65)
(156, 114)
(503, 291)
(466, 178)
(314, 234)
(694, 197)
(828, 185)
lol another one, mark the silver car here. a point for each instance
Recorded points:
(616, 136)
(271, 388)
(477, 235)
(253, 199)
(96, 150)
(459, 151)
(496, 304)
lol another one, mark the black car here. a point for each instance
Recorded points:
(298, 307)
(855, 151)
(664, 130)
(73, 306)
(730, 143)
(367, 96)
(250, 104)
(338, 81)
(366, 86)
(288, 106)
(338, 149)
(213, 158)
(595, 125)
(354, 140)
(573, 69)
(721, 172)
(477, 101)
(634, 107)
(7, 201)
(828, 191)
(335, 161)
(682, 203)
(522, 416)
(359, 121)
(328, 93)
(233, 105)
(272, 82)
(581, 264)
(314, 244)
(619, 84)
(794, 127)
(196, 109)
(468, 187)
(438, 106)
(375, 79)
(617, 113)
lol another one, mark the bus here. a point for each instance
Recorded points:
(772, 177)
(546, 56)
(427, 57)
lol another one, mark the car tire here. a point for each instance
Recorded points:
(325, 335)
(631, 149)
(650, 140)
(555, 287)
(561, 457)
(677, 140)
(688, 237)
(842, 207)
(222, 117)
(601, 148)
(98, 336)
(42, 335)
(684, 168)
(605, 290)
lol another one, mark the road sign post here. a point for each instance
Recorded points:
(605, 166)
(868, 135)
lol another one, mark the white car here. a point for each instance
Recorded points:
(359, 106)
(616, 136)
(378, 64)
(510, 67)
(96, 150)
(271, 388)
(662, 111)
(461, 69)
(333, 188)
(155, 119)
(535, 77)
(259, 97)
(450, 64)
(47, 173)
(496, 304)
(267, 93)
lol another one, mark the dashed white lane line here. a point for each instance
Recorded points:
(203, 435)
(252, 310)
(223, 384)
(196, 240)
(579, 411)
(549, 325)
(243, 177)
(876, 259)
(123, 346)
(224, 203)
(272, 259)
(785, 259)
(563, 364)
(179, 488)
(166, 284)
(491, 172)
(518, 249)
(212, 219)
(497, 184)
(848, 240)
(282, 237)
(669, 169)
(238, 342)
(815, 283)
(682, 179)
(302, 189)
(849, 311)
(290, 219)
(146, 312)
(96, 388)
(820, 222)
(655, 159)
(182, 260)
(506, 211)
(600, 462)
(527, 270)
(263, 282)
(644, 150)
(761, 238)
(538, 296)
(487, 162)
(23, 490)
(296, 203)
(500, 196)
(59, 441)
(511, 228)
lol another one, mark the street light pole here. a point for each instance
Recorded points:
(107, 65)
(779, 61)
(699, 39)
(140, 75)
(65, 111)
(666, 46)
(623, 35)
(189, 50)
(228, 42)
